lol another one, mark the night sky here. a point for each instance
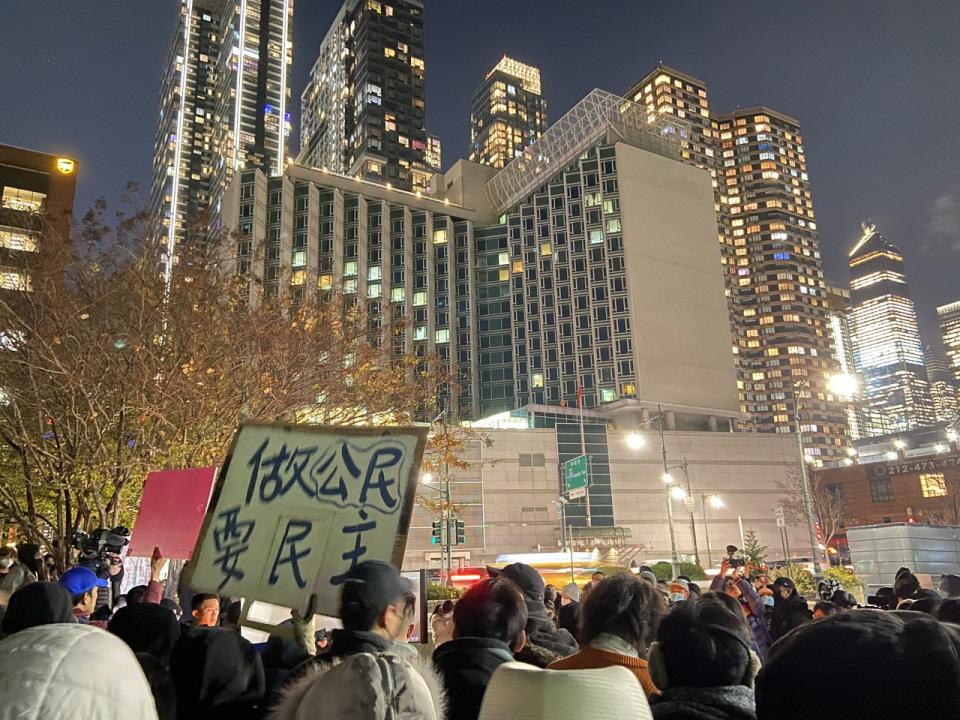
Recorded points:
(874, 84)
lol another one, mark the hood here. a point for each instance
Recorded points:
(714, 703)
(70, 671)
(215, 668)
(365, 687)
(542, 632)
(39, 603)
(147, 628)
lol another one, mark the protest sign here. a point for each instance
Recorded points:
(297, 506)
(171, 512)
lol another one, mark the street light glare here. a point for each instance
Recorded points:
(843, 385)
(952, 435)
(899, 444)
(427, 478)
(716, 502)
(635, 441)
(891, 455)
(678, 493)
(667, 478)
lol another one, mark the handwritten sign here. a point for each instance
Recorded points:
(298, 506)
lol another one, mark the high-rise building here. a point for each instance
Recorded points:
(36, 204)
(509, 113)
(434, 155)
(887, 345)
(949, 318)
(770, 256)
(224, 105)
(944, 390)
(362, 111)
(838, 304)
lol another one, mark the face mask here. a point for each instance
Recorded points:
(677, 597)
(768, 600)
(6, 562)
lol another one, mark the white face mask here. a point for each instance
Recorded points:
(6, 562)
(768, 600)
(677, 597)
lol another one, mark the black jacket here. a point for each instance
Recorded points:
(546, 642)
(788, 613)
(569, 618)
(466, 666)
(734, 702)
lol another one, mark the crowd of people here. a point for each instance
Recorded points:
(625, 646)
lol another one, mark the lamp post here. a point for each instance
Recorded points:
(716, 503)
(446, 551)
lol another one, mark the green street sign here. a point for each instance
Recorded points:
(575, 476)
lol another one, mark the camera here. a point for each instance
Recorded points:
(734, 560)
(101, 548)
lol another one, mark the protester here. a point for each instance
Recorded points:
(888, 665)
(521, 691)
(950, 586)
(551, 600)
(619, 618)
(82, 584)
(488, 623)
(205, 609)
(692, 587)
(843, 600)
(679, 590)
(13, 573)
(648, 576)
(824, 608)
(754, 612)
(69, 671)
(906, 586)
(172, 605)
(217, 674)
(949, 610)
(568, 617)
(703, 663)
(595, 578)
(545, 641)
(790, 608)
(161, 686)
(147, 628)
(441, 623)
(39, 603)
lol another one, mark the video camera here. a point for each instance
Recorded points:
(734, 559)
(101, 548)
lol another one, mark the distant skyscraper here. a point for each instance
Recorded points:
(949, 317)
(838, 303)
(887, 343)
(943, 387)
(219, 114)
(362, 111)
(434, 155)
(509, 113)
(770, 253)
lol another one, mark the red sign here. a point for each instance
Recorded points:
(171, 512)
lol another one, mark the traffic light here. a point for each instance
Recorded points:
(436, 534)
(461, 532)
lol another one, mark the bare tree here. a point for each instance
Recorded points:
(829, 504)
(106, 373)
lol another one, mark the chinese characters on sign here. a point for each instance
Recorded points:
(296, 507)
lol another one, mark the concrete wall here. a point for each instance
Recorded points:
(518, 514)
(678, 309)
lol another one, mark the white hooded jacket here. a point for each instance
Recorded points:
(71, 672)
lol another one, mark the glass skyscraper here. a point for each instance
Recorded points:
(224, 106)
(949, 318)
(887, 345)
(509, 113)
(362, 111)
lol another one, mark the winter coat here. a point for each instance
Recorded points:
(15, 578)
(147, 628)
(466, 666)
(39, 603)
(365, 686)
(590, 657)
(734, 702)
(71, 672)
(788, 613)
(217, 673)
(756, 617)
(546, 643)
(569, 618)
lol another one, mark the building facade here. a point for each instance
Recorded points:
(944, 390)
(224, 105)
(949, 318)
(770, 257)
(887, 346)
(362, 111)
(838, 303)
(508, 113)
(36, 204)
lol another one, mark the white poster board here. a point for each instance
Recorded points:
(296, 506)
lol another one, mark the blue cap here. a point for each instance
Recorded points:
(79, 580)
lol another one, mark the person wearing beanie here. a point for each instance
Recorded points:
(679, 591)
(738, 586)
(618, 620)
(648, 576)
(790, 609)
(39, 603)
(545, 641)
(569, 616)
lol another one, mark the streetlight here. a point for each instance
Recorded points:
(891, 455)
(716, 503)
(899, 444)
(427, 478)
(667, 478)
(805, 479)
(843, 385)
(678, 493)
(635, 441)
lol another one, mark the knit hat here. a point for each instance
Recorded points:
(558, 694)
(785, 582)
(649, 577)
(572, 592)
(683, 584)
(950, 585)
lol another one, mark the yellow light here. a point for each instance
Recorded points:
(667, 478)
(678, 493)
(843, 385)
(716, 502)
(65, 165)
(635, 441)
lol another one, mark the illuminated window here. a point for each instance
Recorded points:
(297, 277)
(596, 237)
(12, 239)
(607, 395)
(933, 485)
(350, 269)
(299, 259)
(420, 332)
(518, 266)
(389, 52)
(374, 290)
(439, 236)
(18, 199)
(325, 282)
(420, 298)
(536, 380)
(397, 294)
(349, 286)
(503, 258)
(545, 249)
(442, 336)
(613, 225)
(374, 272)
(11, 279)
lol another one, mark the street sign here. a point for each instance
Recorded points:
(689, 502)
(576, 476)
(781, 521)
